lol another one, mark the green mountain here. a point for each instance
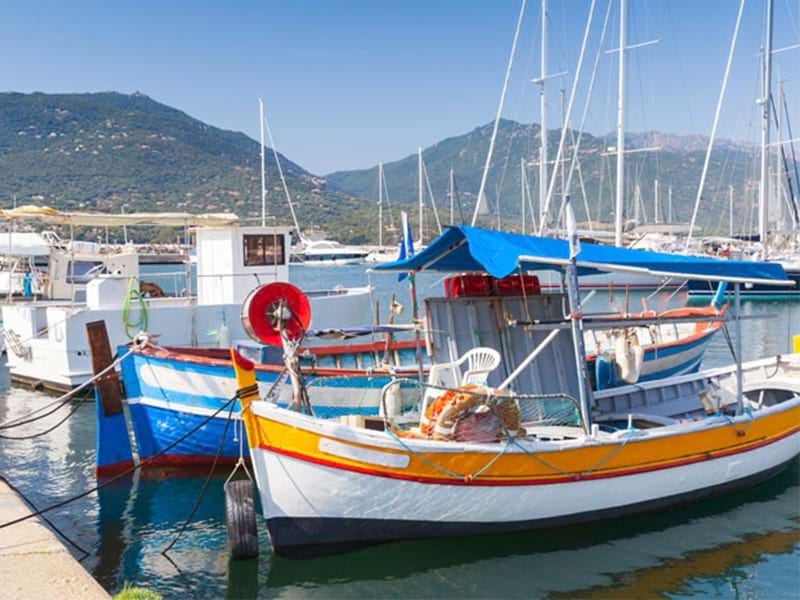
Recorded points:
(678, 164)
(106, 151)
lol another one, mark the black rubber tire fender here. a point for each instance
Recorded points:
(240, 519)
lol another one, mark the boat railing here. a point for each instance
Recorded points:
(535, 410)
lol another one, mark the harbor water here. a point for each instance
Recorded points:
(744, 545)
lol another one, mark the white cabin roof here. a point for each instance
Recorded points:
(23, 243)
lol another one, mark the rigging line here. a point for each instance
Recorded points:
(794, 156)
(711, 140)
(582, 126)
(283, 178)
(579, 67)
(787, 175)
(433, 200)
(482, 188)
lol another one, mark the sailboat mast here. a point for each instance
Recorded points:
(263, 165)
(543, 117)
(380, 204)
(655, 202)
(763, 192)
(730, 211)
(620, 200)
(778, 155)
(421, 193)
(522, 192)
(452, 197)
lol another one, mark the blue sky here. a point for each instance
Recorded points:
(349, 82)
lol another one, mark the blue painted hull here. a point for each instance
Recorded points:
(170, 397)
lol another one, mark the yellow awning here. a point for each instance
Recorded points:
(46, 214)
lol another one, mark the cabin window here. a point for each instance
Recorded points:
(82, 271)
(264, 250)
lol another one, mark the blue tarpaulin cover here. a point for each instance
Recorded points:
(471, 249)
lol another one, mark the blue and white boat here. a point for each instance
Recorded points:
(170, 391)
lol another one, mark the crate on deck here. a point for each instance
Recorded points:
(459, 286)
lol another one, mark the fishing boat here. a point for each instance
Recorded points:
(170, 391)
(529, 444)
(651, 345)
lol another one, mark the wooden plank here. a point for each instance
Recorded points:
(107, 387)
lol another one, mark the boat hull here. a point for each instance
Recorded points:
(302, 537)
(323, 487)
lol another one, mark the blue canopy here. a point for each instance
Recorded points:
(470, 249)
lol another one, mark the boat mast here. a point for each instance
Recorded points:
(730, 211)
(655, 202)
(764, 101)
(421, 192)
(263, 166)
(669, 204)
(543, 117)
(380, 205)
(522, 191)
(452, 197)
(620, 200)
(778, 149)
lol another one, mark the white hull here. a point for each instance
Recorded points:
(57, 352)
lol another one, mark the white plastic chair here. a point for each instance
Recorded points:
(480, 363)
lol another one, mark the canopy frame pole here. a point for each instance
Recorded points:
(529, 359)
(576, 322)
(738, 325)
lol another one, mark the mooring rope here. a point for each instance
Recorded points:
(203, 489)
(122, 474)
(65, 398)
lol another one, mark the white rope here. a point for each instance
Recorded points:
(497, 118)
(567, 117)
(714, 126)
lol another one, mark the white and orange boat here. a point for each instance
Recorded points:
(527, 443)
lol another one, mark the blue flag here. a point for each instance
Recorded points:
(406, 243)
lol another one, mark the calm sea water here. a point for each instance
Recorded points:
(746, 545)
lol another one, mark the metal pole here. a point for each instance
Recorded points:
(452, 197)
(739, 377)
(421, 192)
(730, 209)
(576, 322)
(764, 101)
(263, 165)
(669, 204)
(655, 208)
(620, 200)
(543, 117)
(522, 191)
(380, 205)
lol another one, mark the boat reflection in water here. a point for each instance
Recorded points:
(640, 556)
(652, 554)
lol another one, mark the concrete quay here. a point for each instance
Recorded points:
(33, 561)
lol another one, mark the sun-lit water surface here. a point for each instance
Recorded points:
(743, 545)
